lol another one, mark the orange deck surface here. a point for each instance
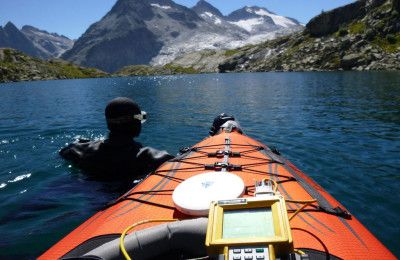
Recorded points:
(152, 198)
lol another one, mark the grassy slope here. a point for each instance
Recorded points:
(138, 70)
(16, 66)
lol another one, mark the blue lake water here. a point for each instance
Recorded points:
(341, 128)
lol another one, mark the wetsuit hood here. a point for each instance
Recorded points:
(120, 119)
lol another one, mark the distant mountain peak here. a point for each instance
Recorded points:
(10, 26)
(30, 28)
(157, 31)
(50, 44)
(203, 6)
(245, 12)
(256, 12)
(140, 8)
(261, 11)
(162, 2)
(12, 37)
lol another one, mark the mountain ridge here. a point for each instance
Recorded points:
(364, 35)
(203, 6)
(12, 37)
(51, 44)
(156, 31)
(33, 41)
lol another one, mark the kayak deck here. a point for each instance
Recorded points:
(324, 226)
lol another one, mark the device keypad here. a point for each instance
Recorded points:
(248, 253)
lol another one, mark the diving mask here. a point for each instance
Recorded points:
(142, 117)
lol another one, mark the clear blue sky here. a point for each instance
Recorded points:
(72, 17)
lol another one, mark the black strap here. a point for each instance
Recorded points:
(220, 165)
(324, 205)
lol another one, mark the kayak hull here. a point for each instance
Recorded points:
(324, 227)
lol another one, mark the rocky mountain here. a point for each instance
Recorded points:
(363, 35)
(51, 44)
(12, 37)
(262, 24)
(255, 20)
(203, 7)
(157, 31)
(34, 42)
(17, 66)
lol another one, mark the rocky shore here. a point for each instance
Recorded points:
(146, 70)
(364, 35)
(16, 66)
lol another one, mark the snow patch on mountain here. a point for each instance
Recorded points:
(282, 21)
(262, 12)
(208, 15)
(248, 24)
(166, 7)
(158, 31)
(278, 20)
(207, 41)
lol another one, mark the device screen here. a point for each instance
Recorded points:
(248, 223)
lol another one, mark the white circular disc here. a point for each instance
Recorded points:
(194, 195)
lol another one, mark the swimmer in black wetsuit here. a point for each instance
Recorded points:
(224, 121)
(119, 157)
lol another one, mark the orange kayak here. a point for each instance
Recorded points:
(323, 230)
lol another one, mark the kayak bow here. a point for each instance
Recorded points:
(322, 228)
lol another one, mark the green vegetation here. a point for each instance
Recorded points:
(391, 43)
(16, 66)
(353, 28)
(145, 70)
(335, 61)
(180, 70)
(357, 27)
(342, 32)
(391, 39)
(232, 52)
(135, 70)
(71, 71)
(7, 56)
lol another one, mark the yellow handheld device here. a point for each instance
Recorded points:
(249, 228)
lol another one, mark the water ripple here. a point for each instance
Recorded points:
(342, 129)
(20, 178)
